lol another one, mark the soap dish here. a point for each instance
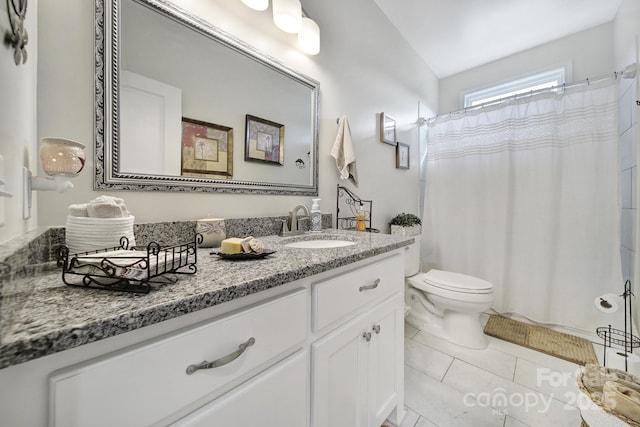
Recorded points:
(244, 256)
(124, 268)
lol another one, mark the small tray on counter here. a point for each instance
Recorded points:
(128, 269)
(244, 256)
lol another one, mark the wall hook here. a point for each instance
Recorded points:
(18, 36)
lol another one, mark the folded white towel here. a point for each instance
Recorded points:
(79, 210)
(107, 207)
(342, 150)
(104, 210)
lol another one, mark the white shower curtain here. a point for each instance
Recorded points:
(525, 195)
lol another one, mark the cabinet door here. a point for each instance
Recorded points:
(338, 382)
(277, 397)
(386, 354)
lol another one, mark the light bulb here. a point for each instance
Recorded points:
(257, 4)
(309, 36)
(287, 15)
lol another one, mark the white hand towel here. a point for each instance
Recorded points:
(107, 207)
(344, 153)
(79, 210)
(104, 210)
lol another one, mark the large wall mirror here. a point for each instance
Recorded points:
(183, 106)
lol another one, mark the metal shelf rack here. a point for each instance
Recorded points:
(625, 338)
(127, 269)
(347, 203)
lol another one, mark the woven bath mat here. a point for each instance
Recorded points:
(558, 344)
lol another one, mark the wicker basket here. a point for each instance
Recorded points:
(598, 401)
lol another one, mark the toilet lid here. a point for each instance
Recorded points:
(457, 282)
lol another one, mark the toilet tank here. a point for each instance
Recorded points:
(412, 258)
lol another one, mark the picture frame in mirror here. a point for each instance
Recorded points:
(207, 149)
(264, 141)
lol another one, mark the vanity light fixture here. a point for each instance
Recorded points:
(287, 15)
(61, 159)
(309, 36)
(290, 17)
(257, 4)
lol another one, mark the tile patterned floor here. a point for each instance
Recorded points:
(504, 385)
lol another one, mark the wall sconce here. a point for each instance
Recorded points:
(290, 17)
(61, 159)
(17, 38)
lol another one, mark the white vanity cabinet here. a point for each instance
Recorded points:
(150, 384)
(357, 368)
(325, 350)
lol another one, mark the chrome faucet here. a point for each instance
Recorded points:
(293, 217)
(290, 227)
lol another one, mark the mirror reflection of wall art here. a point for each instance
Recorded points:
(264, 141)
(387, 129)
(402, 156)
(207, 149)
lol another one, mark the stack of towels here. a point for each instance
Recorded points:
(101, 207)
(98, 224)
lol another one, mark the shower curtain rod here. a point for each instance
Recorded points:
(629, 72)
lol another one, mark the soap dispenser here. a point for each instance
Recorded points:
(316, 215)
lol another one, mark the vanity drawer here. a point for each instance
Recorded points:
(340, 296)
(142, 386)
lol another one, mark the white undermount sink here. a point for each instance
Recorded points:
(320, 242)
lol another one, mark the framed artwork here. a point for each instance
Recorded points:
(207, 149)
(264, 141)
(387, 129)
(402, 156)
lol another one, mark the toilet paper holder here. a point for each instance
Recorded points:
(623, 338)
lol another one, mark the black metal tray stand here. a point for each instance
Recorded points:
(624, 339)
(347, 200)
(127, 269)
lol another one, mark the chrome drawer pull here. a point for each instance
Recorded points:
(223, 360)
(369, 287)
(367, 336)
(376, 329)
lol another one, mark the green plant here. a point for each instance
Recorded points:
(405, 220)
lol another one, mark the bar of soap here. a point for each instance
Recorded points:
(232, 245)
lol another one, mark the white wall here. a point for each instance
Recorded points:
(364, 67)
(626, 51)
(17, 121)
(585, 54)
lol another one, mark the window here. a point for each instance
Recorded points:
(526, 84)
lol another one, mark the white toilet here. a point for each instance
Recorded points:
(446, 304)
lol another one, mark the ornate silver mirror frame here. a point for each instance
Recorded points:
(107, 123)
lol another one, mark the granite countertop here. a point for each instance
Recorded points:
(57, 317)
